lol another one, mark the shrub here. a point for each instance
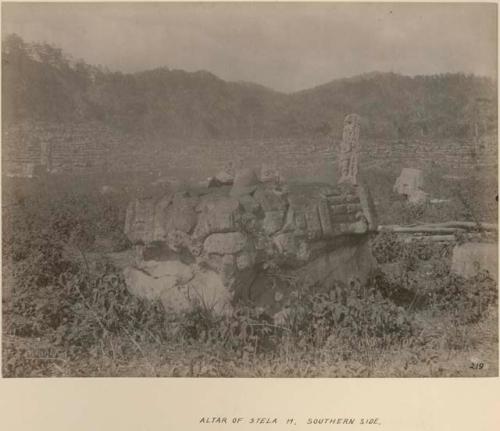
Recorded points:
(386, 247)
(467, 299)
(423, 277)
(81, 305)
(78, 308)
(352, 314)
(56, 292)
(248, 328)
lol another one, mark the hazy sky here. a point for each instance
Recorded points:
(284, 46)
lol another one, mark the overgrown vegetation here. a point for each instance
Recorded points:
(420, 276)
(67, 311)
(471, 197)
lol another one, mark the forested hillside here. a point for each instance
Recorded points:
(42, 83)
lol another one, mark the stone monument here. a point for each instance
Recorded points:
(349, 150)
(216, 246)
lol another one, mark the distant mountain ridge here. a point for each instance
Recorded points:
(41, 83)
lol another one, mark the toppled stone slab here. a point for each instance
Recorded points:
(153, 278)
(179, 287)
(472, 257)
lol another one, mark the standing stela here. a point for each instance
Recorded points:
(349, 150)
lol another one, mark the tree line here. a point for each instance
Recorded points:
(40, 82)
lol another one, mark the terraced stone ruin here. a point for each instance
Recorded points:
(249, 238)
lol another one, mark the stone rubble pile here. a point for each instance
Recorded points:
(213, 246)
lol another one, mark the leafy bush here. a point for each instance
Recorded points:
(78, 308)
(423, 277)
(78, 303)
(247, 329)
(386, 247)
(56, 292)
(467, 299)
(350, 314)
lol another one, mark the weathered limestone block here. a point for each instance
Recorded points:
(325, 218)
(176, 272)
(217, 202)
(299, 220)
(269, 200)
(228, 264)
(273, 221)
(313, 223)
(154, 278)
(292, 247)
(180, 287)
(204, 288)
(409, 181)
(410, 184)
(224, 265)
(246, 259)
(353, 208)
(181, 214)
(245, 182)
(219, 215)
(160, 229)
(249, 204)
(178, 240)
(139, 220)
(339, 209)
(472, 257)
(348, 261)
(208, 290)
(262, 243)
(289, 223)
(212, 261)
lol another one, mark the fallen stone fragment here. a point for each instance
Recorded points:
(472, 257)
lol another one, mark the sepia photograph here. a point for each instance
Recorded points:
(258, 190)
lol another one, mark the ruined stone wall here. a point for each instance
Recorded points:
(72, 147)
(451, 155)
(88, 147)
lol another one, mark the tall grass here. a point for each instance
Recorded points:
(67, 310)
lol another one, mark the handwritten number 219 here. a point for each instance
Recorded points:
(477, 365)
